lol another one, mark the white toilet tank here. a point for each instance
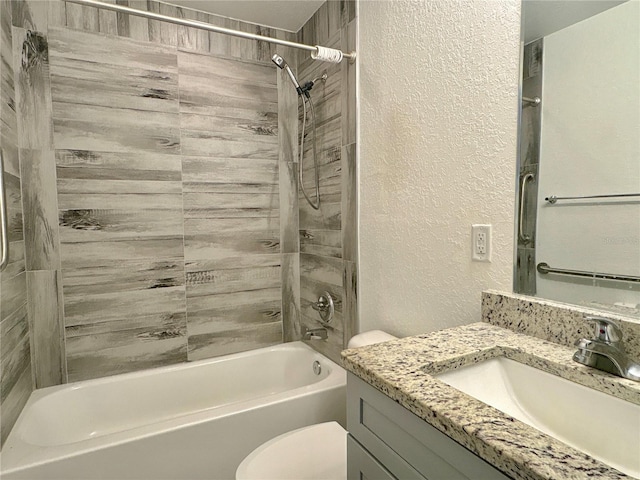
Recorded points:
(369, 338)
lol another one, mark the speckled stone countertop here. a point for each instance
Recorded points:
(402, 370)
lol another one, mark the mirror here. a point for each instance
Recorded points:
(578, 195)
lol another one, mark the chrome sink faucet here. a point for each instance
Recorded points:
(606, 351)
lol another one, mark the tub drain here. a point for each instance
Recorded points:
(317, 368)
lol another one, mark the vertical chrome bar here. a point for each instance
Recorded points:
(4, 230)
(524, 237)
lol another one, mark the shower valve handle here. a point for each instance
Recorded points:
(324, 306)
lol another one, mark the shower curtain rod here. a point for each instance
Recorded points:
(201, 25)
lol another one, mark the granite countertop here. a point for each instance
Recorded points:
(402, 370)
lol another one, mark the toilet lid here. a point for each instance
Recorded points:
(317, 452)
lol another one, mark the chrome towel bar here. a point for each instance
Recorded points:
(4, 229)
(553, 199)
(544, 268)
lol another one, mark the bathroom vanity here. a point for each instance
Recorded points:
(387, 441)
(404, 422)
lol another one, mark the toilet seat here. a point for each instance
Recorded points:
(316, 452)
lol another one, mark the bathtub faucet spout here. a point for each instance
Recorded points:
(314, 333)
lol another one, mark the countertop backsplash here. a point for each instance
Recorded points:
(553, 321)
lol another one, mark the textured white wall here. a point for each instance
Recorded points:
(438, 93)
(591, 148)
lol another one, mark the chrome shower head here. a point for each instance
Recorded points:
(280, 63)
(278, 60)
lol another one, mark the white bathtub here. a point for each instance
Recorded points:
(189, 421)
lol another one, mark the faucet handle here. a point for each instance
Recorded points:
(606, 330)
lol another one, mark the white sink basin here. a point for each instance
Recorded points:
(595, 423)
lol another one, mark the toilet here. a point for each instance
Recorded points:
(316, 452)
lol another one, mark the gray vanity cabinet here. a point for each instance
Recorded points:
(387, 441)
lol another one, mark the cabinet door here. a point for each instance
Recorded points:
(389, 431)
(362, 466)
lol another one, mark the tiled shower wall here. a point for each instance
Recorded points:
(161, 202)
(153, 206)
(328, 242)
(15, 351)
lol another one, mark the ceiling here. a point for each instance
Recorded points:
(543, 17)
(283, 14)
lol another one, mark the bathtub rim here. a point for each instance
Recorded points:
(17, 454)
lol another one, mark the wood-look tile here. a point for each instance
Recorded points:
(107, 20)
(206, 321)
(33, 98)
(102, 307)
(103, 358)
(321, 24)
(214, 95)
(237, 175)
(334, 15)
(235, 299)
(40, 206)
(322, 269)
(14, 401)
(199, 143)
(15, 357)
(193, 38)
(255, 226)
(168, 31)
(111, 50)
(116, 86)
(122, 201)
(95, 128)
(328, 217)
(220, 245)
(219, 43)
(127, 276)
(13, 191)
(109, 253)
(216, 282)
(329, 174)
(350, 301)
(81, 17)
(111, 225)
(130, 329)
(291, 326)
(287, 159)
(138, 26)
(349, 203)
(223, 343)
(203, 76)
(8, 118)
(120, 165)
(244, 127)
(14, 293)
(30, 15)
(154, 25)
(289, 216)
(57, 13)
(246, 261)
(327, 243)
(46, 327)
(349, 114)
(230, 205)
(14, 327)
(15, 225)
(157, 340)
